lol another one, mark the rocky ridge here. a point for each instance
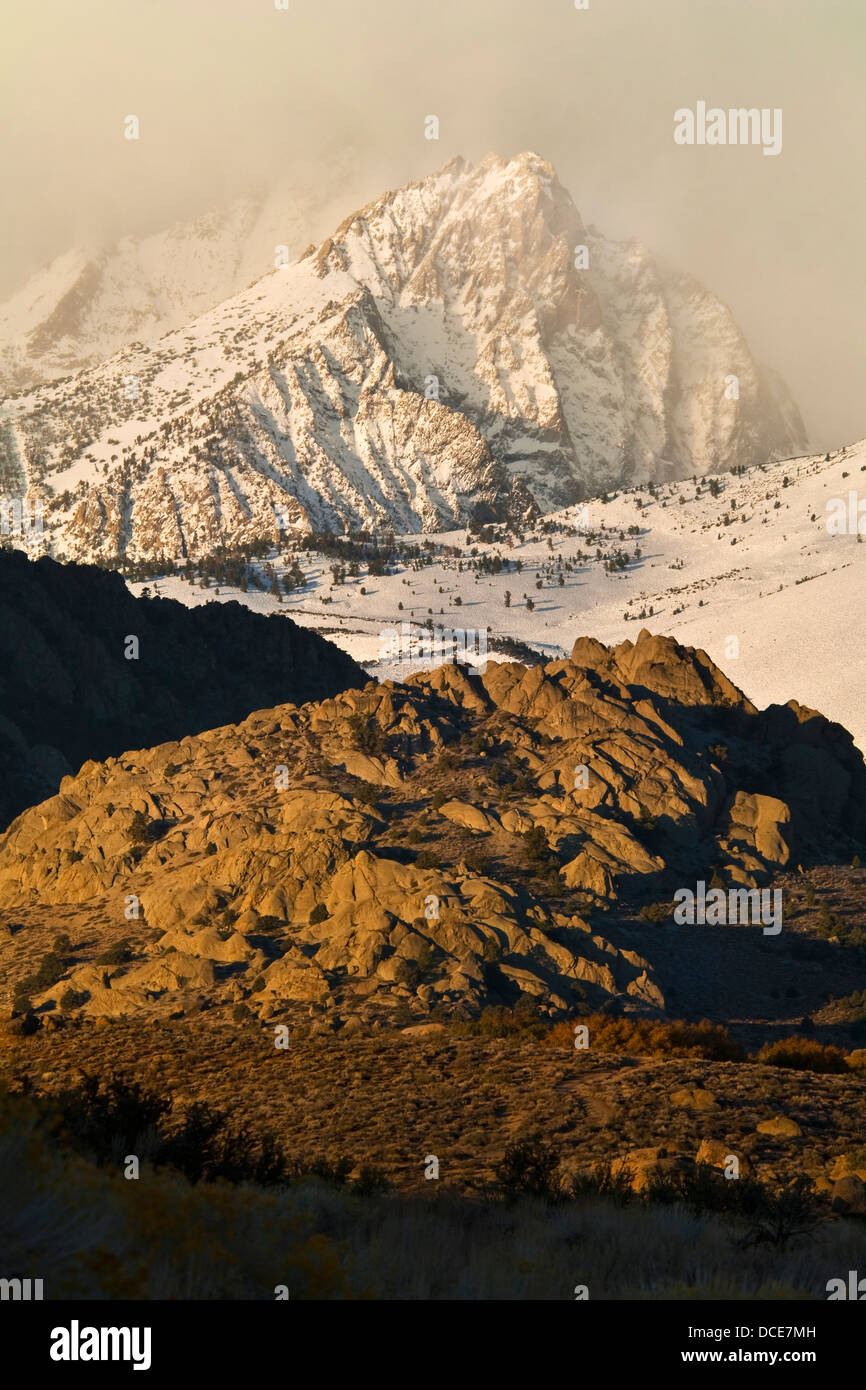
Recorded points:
(448, 354)
(404, 852)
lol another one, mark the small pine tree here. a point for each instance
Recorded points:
(139, 830)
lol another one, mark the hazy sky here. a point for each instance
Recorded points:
(235, 92)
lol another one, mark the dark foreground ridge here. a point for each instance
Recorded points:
(68, 692)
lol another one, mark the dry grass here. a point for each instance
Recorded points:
(386, 1100)
(92, 1234)
(651, 1038)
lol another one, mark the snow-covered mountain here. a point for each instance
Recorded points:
(747, 569)
(92, 301)
(461, 347)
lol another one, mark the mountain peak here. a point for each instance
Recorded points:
(459, 346)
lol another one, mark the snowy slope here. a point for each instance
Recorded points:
(781, 610)
(92, 301)
(440, 357)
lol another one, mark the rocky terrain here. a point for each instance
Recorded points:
(404, 853)
(289, 962)
(461, 348)
(73, 686)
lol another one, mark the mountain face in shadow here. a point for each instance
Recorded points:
(88, 670)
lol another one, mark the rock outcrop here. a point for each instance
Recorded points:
(252, 865)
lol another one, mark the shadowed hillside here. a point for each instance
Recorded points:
(69, 693)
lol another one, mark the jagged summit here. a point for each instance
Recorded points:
(461, 347)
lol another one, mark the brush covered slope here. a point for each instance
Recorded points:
(403, 851)
(461, 348)
(89, 670)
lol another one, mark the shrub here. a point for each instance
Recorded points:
(530, 1168)
(370, 1181)
(803, 1055)
(240, 1013)
(498, 1021)
(655, 912)
(203, 1146)
(778, 1218)
(537, 848)
(139, 830)
(21, 1002)
(269, 924)
(602, 1181)
(832, 926)
(118, 954)
(366, 735)
(62, 944)
(475, 861)
(771, 1218)
(644, 1036)
(334, 1172)
(49, 971)
(95, 1115)
(72, 999)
